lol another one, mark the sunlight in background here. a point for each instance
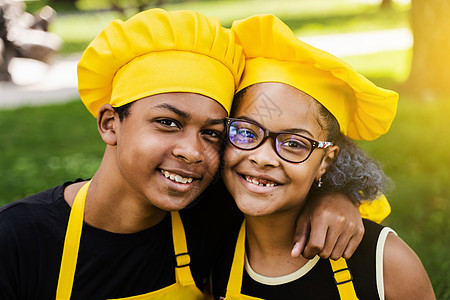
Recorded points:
(346, 28)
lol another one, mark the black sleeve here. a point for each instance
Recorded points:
(31, 241)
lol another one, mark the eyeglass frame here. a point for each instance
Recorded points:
(273, 134)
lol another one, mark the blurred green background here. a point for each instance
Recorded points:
(43, 146)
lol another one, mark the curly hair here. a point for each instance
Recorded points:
(353, 173)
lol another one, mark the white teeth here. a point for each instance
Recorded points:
(176, 177)
(255, 181)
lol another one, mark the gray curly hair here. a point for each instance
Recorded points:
(353, 173)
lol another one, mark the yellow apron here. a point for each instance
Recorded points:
(342, 275)
(183, 288)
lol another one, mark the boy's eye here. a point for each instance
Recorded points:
(168, 123)
(212, 133)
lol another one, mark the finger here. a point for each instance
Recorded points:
(352, 245)
(297, 249)
(340, 247)
(315, 242)
(300, 237)
(331, 239)
(350, 236)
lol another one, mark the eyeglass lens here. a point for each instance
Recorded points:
(289, 146)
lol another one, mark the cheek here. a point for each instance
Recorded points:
(231, 156)
(212, 158)
(303, 174)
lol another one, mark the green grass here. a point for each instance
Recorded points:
(44, 146)
(415, 155)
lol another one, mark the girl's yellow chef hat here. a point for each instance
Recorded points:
(274, 54)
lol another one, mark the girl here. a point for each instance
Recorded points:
(296, 107)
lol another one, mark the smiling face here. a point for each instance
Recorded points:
(259, 180)
(167, 149)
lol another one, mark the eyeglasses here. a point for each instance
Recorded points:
(291, 147)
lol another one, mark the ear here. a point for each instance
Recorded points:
(106, 120)
(328, 159)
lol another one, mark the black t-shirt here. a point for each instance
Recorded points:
(109, 265)
(317, 283)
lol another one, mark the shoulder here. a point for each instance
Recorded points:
(26, 214)
(404, 275)
(29, 203)
(31, 238)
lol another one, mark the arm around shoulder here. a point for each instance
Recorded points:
(404, 275)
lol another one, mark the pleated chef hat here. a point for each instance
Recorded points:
(156, 52)
(274, 54)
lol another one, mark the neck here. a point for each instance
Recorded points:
(112, 207)
(269, 242)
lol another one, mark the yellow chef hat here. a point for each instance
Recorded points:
(274, 54)
(156, 52)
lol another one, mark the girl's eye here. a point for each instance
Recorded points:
(294, 145)
(246, 134)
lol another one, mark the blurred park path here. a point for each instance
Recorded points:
(36, 83)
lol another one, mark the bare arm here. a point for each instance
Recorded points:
(329, 226)
(404, 275)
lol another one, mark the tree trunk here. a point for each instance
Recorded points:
(386, 4)
(430, 72)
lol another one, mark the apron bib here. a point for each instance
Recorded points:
(183, 288)
(342, 275)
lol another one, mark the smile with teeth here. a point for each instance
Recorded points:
(260, 182)
(176, 177)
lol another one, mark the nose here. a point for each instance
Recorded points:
(189, 149)
(265, 155)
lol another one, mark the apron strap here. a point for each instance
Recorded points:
(343, 279)
(237, 268)
(182, 269)
(342, 275)
(71, 245)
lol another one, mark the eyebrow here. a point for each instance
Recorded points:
(166, 106)
(185, 115)
(291, 130)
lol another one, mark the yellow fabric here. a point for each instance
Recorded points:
(158, 51)
(343, 279)
(346, 290)
(274, 54)
(237, 269)
(71, 245)
(376, 210)
(184, 288)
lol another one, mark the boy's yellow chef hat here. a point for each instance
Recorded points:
(156, 52)
(274, 54)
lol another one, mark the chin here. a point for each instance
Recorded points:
(173, 206)
(254, 208)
